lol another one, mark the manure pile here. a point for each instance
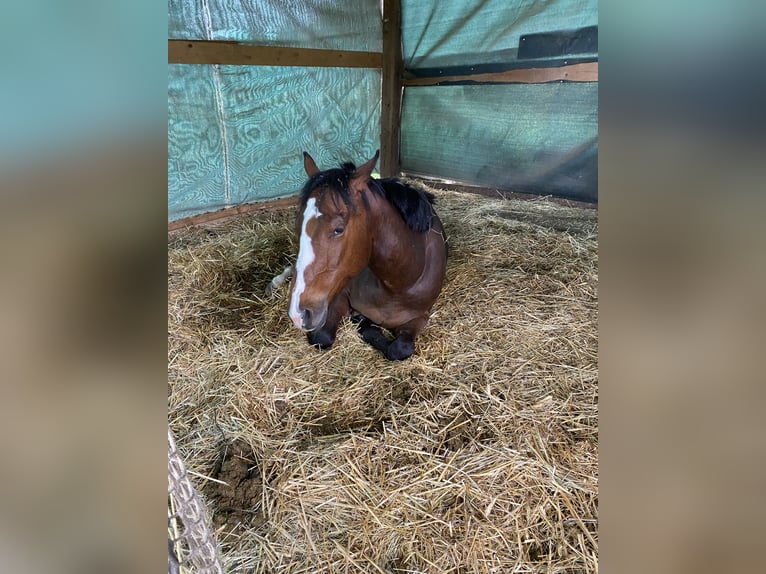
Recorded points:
(479, 454)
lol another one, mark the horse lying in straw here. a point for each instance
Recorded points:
(372, 249)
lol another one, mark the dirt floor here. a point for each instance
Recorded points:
(478, 454)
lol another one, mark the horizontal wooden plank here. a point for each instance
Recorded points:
(584, 72)
(510, 62)
(495, 193)
(234, 53)
(217, 217)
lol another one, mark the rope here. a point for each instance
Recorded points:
(188, 509)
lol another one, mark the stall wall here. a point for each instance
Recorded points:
(528, 137)
(236, 133)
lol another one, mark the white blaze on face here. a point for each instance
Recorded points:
(305, 258)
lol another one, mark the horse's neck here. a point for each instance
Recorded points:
(398, 252)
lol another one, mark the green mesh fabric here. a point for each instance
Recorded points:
(327, 24)
(534, 138)
(455, 32)
(236, 134)
(508, 136)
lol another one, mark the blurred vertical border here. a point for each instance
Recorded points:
(682, 282)
(83, 216)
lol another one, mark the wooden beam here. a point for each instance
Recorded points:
(494, 193)
(216, 217)
(391, 96)
(234, 53)
(585, 72)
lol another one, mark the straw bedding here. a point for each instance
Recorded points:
(478, 454)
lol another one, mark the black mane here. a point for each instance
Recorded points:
(334, 179)
(412, 203)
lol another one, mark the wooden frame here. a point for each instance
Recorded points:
(234, 53)
(583, 72)
(391, 91)
(389, 61)
(216, 217)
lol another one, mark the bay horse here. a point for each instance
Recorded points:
(372, 249)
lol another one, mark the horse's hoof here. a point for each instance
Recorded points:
(320, 339)
(399, 350)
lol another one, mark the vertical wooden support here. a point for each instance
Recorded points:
(391, 97)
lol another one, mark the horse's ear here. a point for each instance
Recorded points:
(309, 165)
(364, 171)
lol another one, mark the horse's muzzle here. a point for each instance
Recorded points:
(310, 320)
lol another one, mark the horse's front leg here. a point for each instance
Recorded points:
(324, 337)
(401, 346)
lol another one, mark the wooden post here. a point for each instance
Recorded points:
(391, 96)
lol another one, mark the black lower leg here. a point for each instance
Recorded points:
(373, 335)
(400, 348)
(324, 337)
(397, 349)
(321, 338)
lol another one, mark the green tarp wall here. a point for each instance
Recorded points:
(236, 133)
(538, 138)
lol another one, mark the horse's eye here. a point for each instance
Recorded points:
(338, 231)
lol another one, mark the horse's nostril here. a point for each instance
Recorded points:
(306, 315)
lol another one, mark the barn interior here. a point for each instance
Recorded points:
(480, 452)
